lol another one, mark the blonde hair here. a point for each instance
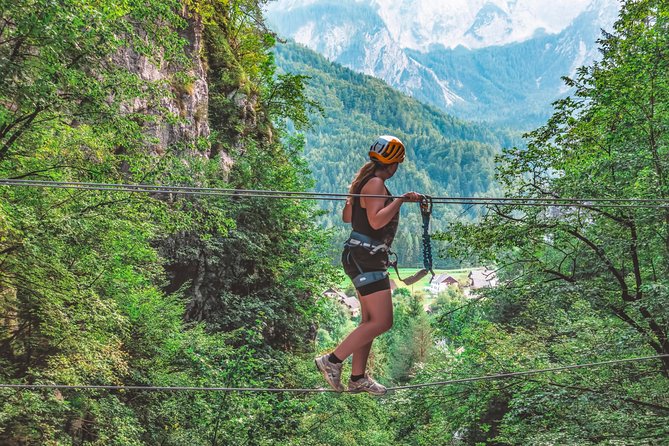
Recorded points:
(365, 171)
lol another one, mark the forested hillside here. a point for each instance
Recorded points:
(445, 156)
(185, 296)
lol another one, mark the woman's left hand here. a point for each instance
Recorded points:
(412, 196)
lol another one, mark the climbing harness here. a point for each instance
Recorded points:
(372, 247)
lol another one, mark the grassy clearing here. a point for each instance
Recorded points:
(458, 274)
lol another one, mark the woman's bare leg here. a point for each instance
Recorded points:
(379, 307)
(359, 363)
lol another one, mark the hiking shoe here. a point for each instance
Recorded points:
(366, 384)
(331, 372)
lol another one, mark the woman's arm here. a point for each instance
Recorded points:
(347, 213)
(377, 214)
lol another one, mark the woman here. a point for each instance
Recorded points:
(365, 258)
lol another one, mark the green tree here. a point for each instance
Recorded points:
(607, 141)
(90, 286)
(578, 283)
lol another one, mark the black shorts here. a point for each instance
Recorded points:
(368, 263)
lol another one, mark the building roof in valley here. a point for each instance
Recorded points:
(482, 278)
(444, 278)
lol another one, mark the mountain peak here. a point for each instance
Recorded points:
(482, 59)
(491, 24)
(420, 24)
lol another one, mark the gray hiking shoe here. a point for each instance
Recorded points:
(366, 384)
(331, 372)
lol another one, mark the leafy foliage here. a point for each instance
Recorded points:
(96, 287)
(583, 283)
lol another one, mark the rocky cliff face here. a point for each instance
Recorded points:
(188, 100)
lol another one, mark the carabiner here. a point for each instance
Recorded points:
(426, 205)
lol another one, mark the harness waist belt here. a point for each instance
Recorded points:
(369, 277)
(364, 241)
(364, 238)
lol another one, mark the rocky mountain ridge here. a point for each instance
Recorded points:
(522, 76)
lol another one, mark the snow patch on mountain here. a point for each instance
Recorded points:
(390, 63)
(336, 40)
(480, 59)
(491, 25)
(420, 24)
(305, 34)
(450, 97)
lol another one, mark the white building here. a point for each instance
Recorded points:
(442, 282)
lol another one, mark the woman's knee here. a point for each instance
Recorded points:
(387, 324)
(383, 326)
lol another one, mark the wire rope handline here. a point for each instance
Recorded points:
(304, 195)
(292, 390)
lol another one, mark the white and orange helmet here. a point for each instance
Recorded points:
(387, 150)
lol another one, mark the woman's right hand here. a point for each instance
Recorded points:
(412, 196)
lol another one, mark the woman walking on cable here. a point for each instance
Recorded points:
(365, 258)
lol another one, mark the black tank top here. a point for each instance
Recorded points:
(360, 222)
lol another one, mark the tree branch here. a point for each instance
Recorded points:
(602, 255)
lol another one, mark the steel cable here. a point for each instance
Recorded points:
(185, 190)
(321, 390)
